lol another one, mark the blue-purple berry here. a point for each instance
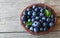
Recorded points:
(35, 24)
(29, 20)
(51, 24)
(43, 18)
(31, 28)
(45, 28)
(33, 13)
(36, 9)
(33, 20)
(41, 28)
(41, 14)
(29, 13)
(25, 13)
(44, 24)
(48, 19)
(24, 18)
(36, 29)
(41, 9)
(37, 18)
(52, 16)
(27, 27)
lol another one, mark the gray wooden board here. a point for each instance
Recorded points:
(26, 35)
(10, 22)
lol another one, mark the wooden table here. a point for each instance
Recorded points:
(10, 22)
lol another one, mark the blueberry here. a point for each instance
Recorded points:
(35, 24)
(45, 28)
(51, 24)
(41, 9)
(40, 21)
(36, 29)
(34, 14)
(29, 19)
(25, 13)
(33, 20)
(31, 28)
(28, 9)
(29, 13)
(41, 14)
(52, 19)
(27, 27)
(33, 17)
(52, 16)
(33, 6)
(41, 29)
(23, 18)
(24, 22)
(37, 18)
(48, 19)
(36, 9)
(43, 18)
(44, 24)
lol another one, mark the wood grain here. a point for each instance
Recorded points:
(10, 22)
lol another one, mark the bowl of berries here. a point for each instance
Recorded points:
(38, 19)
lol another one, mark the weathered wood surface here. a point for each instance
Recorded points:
(10, 22)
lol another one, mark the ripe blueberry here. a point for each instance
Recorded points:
(36, 29)
(51, 24)
(31, 28)
(35, 24)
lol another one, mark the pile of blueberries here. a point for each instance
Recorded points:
(36, 18)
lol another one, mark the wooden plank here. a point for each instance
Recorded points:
(9, 15)
(26, 35)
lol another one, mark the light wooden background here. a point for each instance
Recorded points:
(9, 18)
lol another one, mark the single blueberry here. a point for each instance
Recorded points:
(45, 28)
(51, 24)
(41, 9)
(37, 18)
(34, 14)
(33, 20)
(29, 13)
(41, 14)
(31, 28)
(52, 19)
(33, 17)
(28, 9)
(27, 27)
(48, 19)
(35, 24)
(44, 24)
(36, 29)
(40, 20)
(29, 19)
(43, 18)
(36, 9)
(33, 6)
(24, 12)
(23, 18)
(41, 28)
(52, 16)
